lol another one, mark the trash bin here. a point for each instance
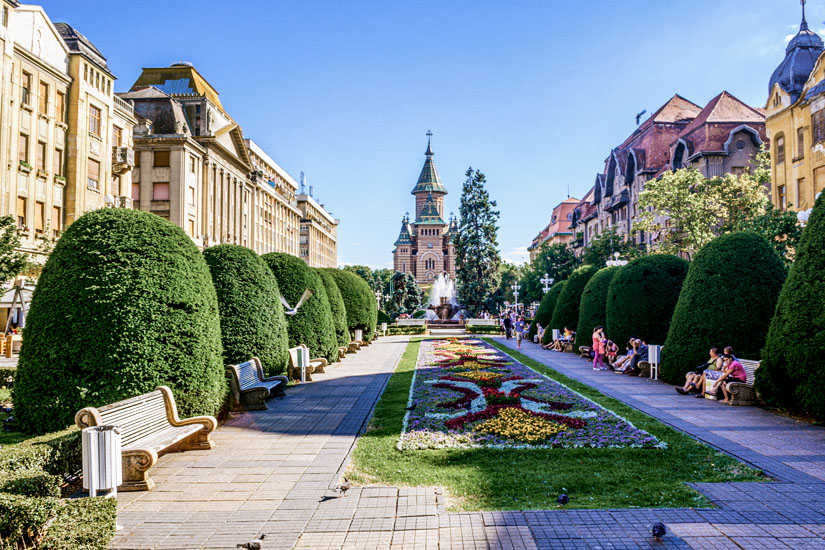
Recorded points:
(384, 328)
(303, 362)
(102, 462)
(359, 335)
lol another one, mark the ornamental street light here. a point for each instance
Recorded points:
(804, 215)
(616, 262)
(378, 298)
(516, 287)
(547, 281)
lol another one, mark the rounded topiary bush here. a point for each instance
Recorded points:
(252, 317)
(125, 303)
(545, 312)
(592, 309)
(312, 324)
(566, 312)
(792, 368)
(642, 297)
(336, 307)
(728, 299)
(383, 317)
(362, 309)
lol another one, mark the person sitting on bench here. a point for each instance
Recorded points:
(567, 336)
(732, 371)
(692, 384)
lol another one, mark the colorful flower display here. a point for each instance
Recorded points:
(467, 394)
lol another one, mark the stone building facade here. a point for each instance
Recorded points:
(558, 231)
(796, 122)
(424, 246)
(319, 233)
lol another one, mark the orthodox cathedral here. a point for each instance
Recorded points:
(425, 246)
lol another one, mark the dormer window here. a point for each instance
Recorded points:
(777, 100)
(780, 148)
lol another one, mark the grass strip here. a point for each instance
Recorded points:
(519, 479)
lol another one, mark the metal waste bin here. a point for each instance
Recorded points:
(303, 362)
(384, 328)
(102, 462)
(359, 335)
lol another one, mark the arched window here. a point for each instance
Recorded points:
(630, 171)
(679, 156)
(780, 148)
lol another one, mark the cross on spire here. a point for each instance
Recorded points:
(429, 135)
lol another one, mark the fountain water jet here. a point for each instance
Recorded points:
(443, 305)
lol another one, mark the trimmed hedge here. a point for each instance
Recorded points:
(362, 309)
(483, 329)
(383, 318)
(125, 303)
(728, 299)
(336, 307)
(546, 309)
(593, 306)
(642, 297)
(312, 324)
(252, 317)
(793, 368)
(409, 329)
(566, 312)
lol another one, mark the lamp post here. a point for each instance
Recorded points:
(547, 282)
(804, 215)
(616, 262)
(516, 287)
(378, 298)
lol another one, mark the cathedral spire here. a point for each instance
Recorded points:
(804, 25)
(429, 135)
(428, 181)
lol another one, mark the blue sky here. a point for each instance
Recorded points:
(534, 94)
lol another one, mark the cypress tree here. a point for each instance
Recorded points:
(566, 312)
(593, 306)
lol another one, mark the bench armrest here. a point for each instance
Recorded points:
(284, 380)
(210, 423)
(321, 360)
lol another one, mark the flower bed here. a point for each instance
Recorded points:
(467, 394)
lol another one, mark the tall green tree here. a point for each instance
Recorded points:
(557, 260)
(476, 245)
(605, 245)
(12, 262)
(510, 275)
(405, 295)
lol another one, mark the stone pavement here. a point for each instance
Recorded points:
(272, 472)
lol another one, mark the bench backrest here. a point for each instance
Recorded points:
(750, 368)
(138, 417)
(248, 373)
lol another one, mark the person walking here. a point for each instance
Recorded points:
(598, 348)
(508, 324)
(519, 331)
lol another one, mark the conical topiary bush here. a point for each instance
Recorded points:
(548, 305)
(336, 306)
(312, 324)
(252, 317)
(593, 307)
(793, 368)
(566, 313)
(125, 303)
(728, 299)
(642, 297)
(362, 308)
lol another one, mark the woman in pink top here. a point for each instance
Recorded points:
(598, 348)
(732, 371)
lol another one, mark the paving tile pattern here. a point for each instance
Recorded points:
(274, 473)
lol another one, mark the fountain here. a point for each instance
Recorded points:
(443, 307)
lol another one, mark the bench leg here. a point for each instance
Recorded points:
(198, 441)
(136, 472)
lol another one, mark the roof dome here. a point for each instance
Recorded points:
(800, 57)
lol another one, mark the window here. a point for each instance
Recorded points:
(21, 212)
(800, 189)
(160, 192)
(5, 16)
(800, 142)
(135, 192)
(117, 136)
(39, 214)
(92, 174)
(56, 221)
(40, 156)
(403, 267)
(190, 195)
(780, 148)
(23, 148)
(192, 165)
(60, 107)
(26, 89)
(94, 120)
(58, 162)
(137, 159)
(190, 228)
(777, 100)
(160, 159)
(43, 108)
(780, 197)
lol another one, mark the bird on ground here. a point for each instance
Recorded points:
(288, 309)
(563, 499)
(344, 487)
(256, 544)
(659, 530)
(327, 497)
(411, 407)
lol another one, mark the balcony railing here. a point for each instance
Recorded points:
(125, 105)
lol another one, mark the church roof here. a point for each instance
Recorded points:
(404, 236)
(428, 181)
(78, 43)
(429, 213)
(800, 57)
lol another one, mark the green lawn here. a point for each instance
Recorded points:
(494, 479)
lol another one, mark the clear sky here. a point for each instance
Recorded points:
(534, 94)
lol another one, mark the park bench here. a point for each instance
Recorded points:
(149, 427)
(342, 352)
(312, 366)
(584, 352)
(249, 388)
(353, 346)
(745, 394)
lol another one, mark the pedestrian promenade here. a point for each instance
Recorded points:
(272, 472)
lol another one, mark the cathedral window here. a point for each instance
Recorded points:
(818, 126)
(800, 142)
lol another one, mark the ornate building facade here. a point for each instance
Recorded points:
(424, 247)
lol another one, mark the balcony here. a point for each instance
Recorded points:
(123, 159)
(124, 105)
(618, 201)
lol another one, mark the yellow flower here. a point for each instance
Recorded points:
(479, 375)
(520, 425)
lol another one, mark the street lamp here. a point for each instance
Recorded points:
(804, 215)
(516, 287)
(378, 298)
(547, 281)
(616, 262)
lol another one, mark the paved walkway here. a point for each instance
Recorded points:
(271, 470)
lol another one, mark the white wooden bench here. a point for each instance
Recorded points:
(250, 388)
(744, 393)
(313, 366)
(149, 427)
